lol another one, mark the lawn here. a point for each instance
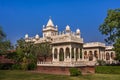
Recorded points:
(25, 75)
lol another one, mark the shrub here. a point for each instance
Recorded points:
(74, 72)
(31, 66)
(5, 66)
(108, 69)
(101, 62)
(16, 66)
(24, 64)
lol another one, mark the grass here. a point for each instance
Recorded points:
(108, 69)
(25, 75)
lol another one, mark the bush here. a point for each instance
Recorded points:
(74, 72)
(16, 66)
(101, 62)
(31, 66)
(5, 66)
(24, 64)
(108, 69)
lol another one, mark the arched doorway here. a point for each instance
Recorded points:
(85, 55)
(77, 56)
(55, 53)
(90, 56)
(80, 53)
(61, 55)
(67, 52)
(72, 53)
(112, 55)
(107, 56)
(96, 54)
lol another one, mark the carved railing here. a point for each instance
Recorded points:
(94, 44)
(70, 64)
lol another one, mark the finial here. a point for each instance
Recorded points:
(43, 26)
(56, 26)
(26, 36)
(67, 28)
(37, 36)
(78, 31)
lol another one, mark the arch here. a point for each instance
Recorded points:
(80, 53)
(112, 55)
(72, 53)
(77, 56)
(104, 56)
(95, 54)
(99, 55)
(67, 52)
(107, 56)
(61, 55)
(85, 54)
(90, 56)
(55, 53)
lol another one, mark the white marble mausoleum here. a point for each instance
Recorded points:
(69, 49)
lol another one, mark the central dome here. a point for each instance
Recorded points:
(50, 22)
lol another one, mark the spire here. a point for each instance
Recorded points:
(50, 23)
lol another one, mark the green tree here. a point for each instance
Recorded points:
(24, 64)
(117, 49)
(26, 53)
(111, 29)
(5, 45)
(2, 34)
(43, 50)
(29, 52)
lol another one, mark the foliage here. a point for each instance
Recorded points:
(111, 29)
(111, 25)
(117, 49)
(5, 45)
(101, 62)
(74, 72)
(16, 67)
(26, 54)
(5, 66)
(23, 50)
(43, 50)
(31, 66)
(2, 34)
(108, 69)
(11, 55)
(24, 64)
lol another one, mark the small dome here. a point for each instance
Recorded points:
(56, 26)
(43, 26)
(67, 28)
(37, 36)
(26, 36)
(78, 31)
